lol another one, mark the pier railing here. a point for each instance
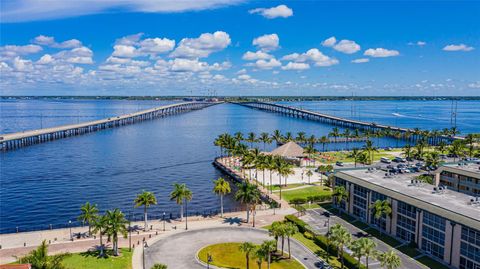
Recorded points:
(27, 138)
(334, 120)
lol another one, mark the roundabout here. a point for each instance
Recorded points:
(180, 250)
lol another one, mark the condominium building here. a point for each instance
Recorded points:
(443, 223)
(462, 177)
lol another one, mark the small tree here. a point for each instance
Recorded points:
(390, 259)
(247, 248)
(145, 199)
(89, 215)
(38, 258)
(221, 188)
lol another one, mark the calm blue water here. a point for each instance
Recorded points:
(46, 183)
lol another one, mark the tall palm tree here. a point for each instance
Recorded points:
(180, 194)
(347, 134)
(221, 187)
(277, 136)
(442, 146)
(251, 138)
(324, 141)
(310, 150)
(145, 199)
(370, 149)
(312, 140)
(408, 152)
(390, 260)
(249, 195)
(238, 136)
(301, 137)
(364, 247)
(456, 149)
(275, 231)
(290, 230)
(469, 141)
(39, 258)
(432, 160)
(340, 238)
(89, 213)
(355, 153)
(260, 256)
(247, 248)
(269, 246)
(100, 227)
(381, 208)
(309, 174)
(116, 225)
(340, 194)
(288, 137)
(335, 133)
(265, 139)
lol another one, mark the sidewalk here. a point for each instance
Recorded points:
(59, 239)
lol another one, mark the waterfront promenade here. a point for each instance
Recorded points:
(21, 139)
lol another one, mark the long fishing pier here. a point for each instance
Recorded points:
(334, 120)
(21, 139)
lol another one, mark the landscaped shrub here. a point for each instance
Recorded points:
(319, 198)
(302, 225)
(308, 235)
(298, 201)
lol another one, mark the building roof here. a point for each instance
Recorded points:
(450, 204)
(290, 149)
(466, 169)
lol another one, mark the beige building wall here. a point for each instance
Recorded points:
(393, 218)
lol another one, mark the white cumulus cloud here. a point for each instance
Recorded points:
(329, 42)
(296, 66)
(381, 53)
(202, 46)
(360, 60)
(280, 11)
(347, 46)
(50, 42)
(267, 42)
(459, 47)
(258, 55)
(314, 56)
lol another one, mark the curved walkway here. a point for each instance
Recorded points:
(180, 250)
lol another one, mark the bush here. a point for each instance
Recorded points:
(308, 235)
(302, 225)
(319, 198)
(298, 201)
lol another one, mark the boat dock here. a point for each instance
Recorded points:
(22, 139)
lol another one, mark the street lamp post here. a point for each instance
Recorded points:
(70, 227)
(130, 232)
(209, 260)
(186, 215)
(164, 221)
(145, 245)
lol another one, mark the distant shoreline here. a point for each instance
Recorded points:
(262, 98)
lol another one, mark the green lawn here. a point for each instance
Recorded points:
(228, 255)
(289, 186)
(431, 263)
(383, 237)
(339, 156)
(305, 192)
(88, 260)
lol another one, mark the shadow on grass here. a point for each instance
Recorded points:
(233, 220)
(431, 263)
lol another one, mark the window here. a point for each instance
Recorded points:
(470, 249)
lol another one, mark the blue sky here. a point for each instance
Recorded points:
(194, 47)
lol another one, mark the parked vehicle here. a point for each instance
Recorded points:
(385, 160)
(339, 163)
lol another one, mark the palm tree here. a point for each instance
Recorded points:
(275, 231)
(301, 138)
(310, 150)
(89, 215)
(470, 143)
(115, 224)
(456, 149)
(370, 149)
(309, 174)
(180, 194)
(269, 246)
(247, 248)
(221, 188)
(311, 140)
(324, 141)
(290, 230)
(265, 139)
(260, 256)
(288, 137)
(335, 133)
(145, 199)
(251, 138)
(346, 133)
(380, 209)
(432, 160)
(407, 152)
(277, 136)
(249, 195)
(238, 136)
(390, 260)
(364, 247)
(442, 146)
(38, 258)
(355, 154)
(340, 194)
(100, 227)
(340, 237)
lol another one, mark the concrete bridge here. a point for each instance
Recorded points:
(27, 138)
(339, 121)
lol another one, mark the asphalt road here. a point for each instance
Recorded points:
(318, 221)
(179, 250)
